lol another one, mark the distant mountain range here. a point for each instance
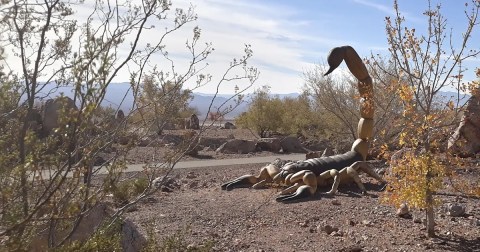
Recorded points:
(117, 92)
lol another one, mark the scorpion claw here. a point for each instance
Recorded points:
(301, 194)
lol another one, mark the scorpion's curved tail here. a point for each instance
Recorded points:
(365, 88)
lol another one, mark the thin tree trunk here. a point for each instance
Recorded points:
(430, 215)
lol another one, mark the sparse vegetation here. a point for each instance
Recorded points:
(425, 64)
(48, 182)
(268, 114)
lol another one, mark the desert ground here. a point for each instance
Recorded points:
(195, 211)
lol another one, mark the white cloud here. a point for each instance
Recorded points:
(281, 38)
(275, 40)
(388, 10)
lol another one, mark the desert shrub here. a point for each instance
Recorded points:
(162, 102)
(271, 114)
(123, 192)
(337, 105)
(176, 242)
(264, 113)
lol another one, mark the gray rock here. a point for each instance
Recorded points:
(292, 144)
(269, 144)
(455, 209)
(237, 146)
(132, 239)
(328, 229)
(229, 125)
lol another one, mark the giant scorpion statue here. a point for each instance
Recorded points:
(303, 177)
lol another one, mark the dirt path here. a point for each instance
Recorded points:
(223, 162)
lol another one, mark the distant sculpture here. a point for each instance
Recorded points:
(192, 122)
(120, 116)
(51, 111)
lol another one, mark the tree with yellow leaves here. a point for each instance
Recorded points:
(425, 64)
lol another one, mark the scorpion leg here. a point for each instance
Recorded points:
(366, 167)
(325, 176)
(294, 181)
(306, 187)
(352, 172)
(242, 181)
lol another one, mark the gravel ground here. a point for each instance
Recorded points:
(199, 212)
(251, 220)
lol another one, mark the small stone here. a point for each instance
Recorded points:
(335, 202)
(351, 223)
(236, 242)
(354, 248)
(475, 222)
(166, 189)
(403, 211)
(132, 208)
(191, 175)
(437, 241)
(193, 184)
(367, 223)
(338, 233)
(328, 229)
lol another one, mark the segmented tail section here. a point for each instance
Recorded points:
(365, 89)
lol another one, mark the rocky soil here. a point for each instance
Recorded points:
(197, 212)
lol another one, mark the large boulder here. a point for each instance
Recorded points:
(292, 144)
(119, 116)
(269, 144)
(35, 121)
(466, 139)
(192, 122)
(237, 146)
(131, 238)
(229, 125)
(53, 109)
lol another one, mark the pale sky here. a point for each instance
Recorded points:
(288, 37)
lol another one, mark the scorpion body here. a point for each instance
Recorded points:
(323, 164)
